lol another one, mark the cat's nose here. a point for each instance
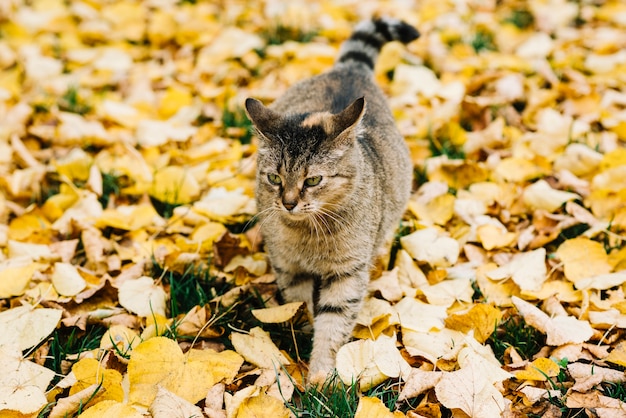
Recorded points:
(289, 205)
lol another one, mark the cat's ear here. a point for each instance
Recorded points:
(349, 117)
(265, 120)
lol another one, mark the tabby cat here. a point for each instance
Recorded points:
(333, 179)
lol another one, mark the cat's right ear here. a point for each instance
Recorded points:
(265, 120)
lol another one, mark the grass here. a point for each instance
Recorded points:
(111, 186)
(335, 399)
(280, 33)
(521, 18)
(331, 399)
(402, 230)
(444, 146)
(71, 101)
(614, 390)
(71, 341)
(483, 41)
(514, 332)
(196, 286)
(235, 123)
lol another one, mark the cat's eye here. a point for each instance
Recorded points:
(274, 179)
(312, 181)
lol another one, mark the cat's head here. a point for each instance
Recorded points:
(306, 162)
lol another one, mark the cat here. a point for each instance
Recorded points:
(333, 180)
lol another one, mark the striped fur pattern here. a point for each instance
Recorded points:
(333, 179)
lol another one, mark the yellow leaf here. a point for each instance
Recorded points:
(159, 361)
(432, 246)
(224, 365)
(111, 409)
(516, 170)
(175, 185)
(27, 326)
(540, 195)
(439, 210)
(491, 236)
(371, 362)
(22, 382)
(618, 355)
(75, 165)
(559, 330)
(88, 371)
(482, 318)
(122, 338)
(166, 405)
(174, 99)
(262, 406)
(278, 314)
(562, 290)
(15, 274)
(67, 280)
(540, 369)
(258, 348)
(583, 258)
(374, 408)
(528, 270)
(143, 297)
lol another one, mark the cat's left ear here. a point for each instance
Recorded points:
(349, 117)
(264, 119)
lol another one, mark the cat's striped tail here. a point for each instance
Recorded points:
(369, 36)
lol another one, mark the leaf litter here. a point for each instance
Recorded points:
(127, 205)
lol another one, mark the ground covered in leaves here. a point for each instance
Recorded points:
(133, 282)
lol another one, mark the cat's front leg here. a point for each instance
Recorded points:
(295, 287)
(337, 299)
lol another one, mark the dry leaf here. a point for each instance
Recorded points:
(258, 348)
(432, 246)
(374, 408)
(22, 382)
(278, 314)
(143, 297)
(559, 330)
(371, 362)
(528, 270)
(482, 319)
(166, 405)
(27, 326)
(418, 382)
(111, 408)
(540, 369)
(160, 362)
(583, 258)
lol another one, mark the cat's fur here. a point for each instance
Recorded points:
(323, 239)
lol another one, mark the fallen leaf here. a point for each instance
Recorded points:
(258, 348)
(278, 314)
(540, 369)
(369, 407)
(143, 297)
(583, 258)
(371, 362)
(22, 383)
(110, 408)
(27, 326)
(432, 246)
(528, 270)
(481, 318)
(160, 362)
(262, 405)
(559, 330)
(166, 404)
(418, 382)
(540, 195)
